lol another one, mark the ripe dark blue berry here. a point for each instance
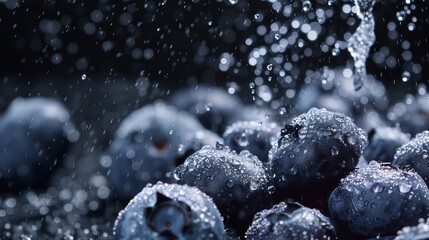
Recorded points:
(238, 184)
(378, 200)
(314, 152)
(169, 211)
(257, 138)
(213, 106)
(35, 134)
(290, 221)
(412, 114)
(150, 143)
(415, 154)
(333, 89)
(383, 142)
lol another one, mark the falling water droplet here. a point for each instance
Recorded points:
(406, 76)
(306, 6)
(83, 77)
(361, 41)
(243, 140)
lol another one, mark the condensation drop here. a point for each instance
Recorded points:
(306, 6)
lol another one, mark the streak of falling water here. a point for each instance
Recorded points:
(361, 41)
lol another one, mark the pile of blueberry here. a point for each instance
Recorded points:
(201, 165)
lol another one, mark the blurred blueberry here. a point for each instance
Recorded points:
(150, 143)
(213, 106)
(35, 134)
(257, 138)
(383, 142)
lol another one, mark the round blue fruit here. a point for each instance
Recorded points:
(415, 154)
(383, 142)
(150, 143)
(255, 137)
(35, 134)
(169, 211)
(213, 106)
(238, 183)
(291, 221)
(378, 200)
(315, 151)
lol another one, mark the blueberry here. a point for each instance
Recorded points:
(35, 134)
(169, 211)
(290, 221)
(150, 143)
(315, 151)
(412, 114)
(238, 184)
(213, 106)
(333, 89)
(311, 96)
(378, 200)
(383, 142)
(255, 137)
(415, 153)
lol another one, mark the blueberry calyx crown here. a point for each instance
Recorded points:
(169, 217)
(291, 130)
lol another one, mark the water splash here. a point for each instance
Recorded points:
(361, 41)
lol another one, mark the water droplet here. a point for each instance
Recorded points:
(83, 77)
(233, 1)
(177, 173)
(334, 151)
(253, 185)
(270, 67)
(243, 140)
(335, 51)
(306, 6)
(292, 155)
(271, 189)
(229, 183)
(406, 76)
(293, 170)
(352, 140)
(377, 188)
(404, 188)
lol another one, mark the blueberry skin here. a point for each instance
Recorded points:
(35, 134)
(211, 105)
(238, 184)
(257, 138)
(150, 143)
(314, 152)
(169, 211)
(412, 114)
(290, 221)
(383, 142)
(378, 200)
(415, 154)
